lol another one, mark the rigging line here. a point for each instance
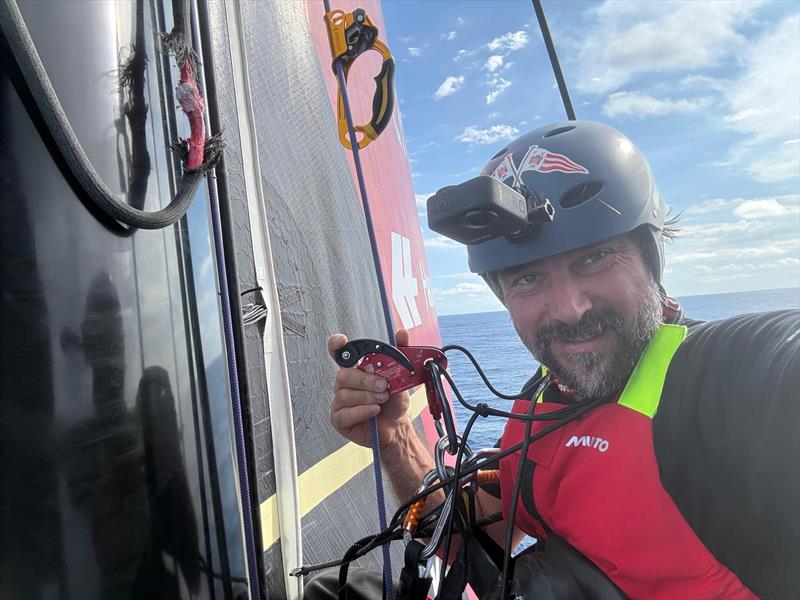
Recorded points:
(367, 544)
(523, 456)
(192, 18)
(387, 314)
(456, 490)
(551, 52)
(515, 396)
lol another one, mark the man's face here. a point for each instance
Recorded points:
(586, 314)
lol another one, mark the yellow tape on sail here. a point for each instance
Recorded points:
(327, 476)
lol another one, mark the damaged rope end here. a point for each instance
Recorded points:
(213, 147)
(188, 95)
(176, 44)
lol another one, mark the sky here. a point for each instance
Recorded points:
(709, 91)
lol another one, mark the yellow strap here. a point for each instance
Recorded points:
(642, 393)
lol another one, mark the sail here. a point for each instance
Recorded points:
(293, 194)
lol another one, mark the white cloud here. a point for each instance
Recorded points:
(638, 105)
(494, 62)
(742, 115)
(763, 103)
(718, 278)
(415, 51)
(460, 20)
(628, 38)
(740, 270)
(708, 206)
(498, 85)
(441, 242)
(466, 287)
(788, 201)
(449, 86)
(450, 35)
(764, 99)
(490, 135)
(752, 243)
(779, 165)
(759, 209)
(702, 81)
(508, 42)
(713, 231)
(759, 228)
(749, 252)
(787, 262)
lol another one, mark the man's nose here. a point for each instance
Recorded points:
(568, 301)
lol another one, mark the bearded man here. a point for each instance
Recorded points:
(681, 477)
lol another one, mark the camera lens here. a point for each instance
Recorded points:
(478, 219)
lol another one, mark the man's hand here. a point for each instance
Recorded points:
(358, 396)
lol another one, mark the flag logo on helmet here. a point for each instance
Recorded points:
(543, 161)
(506, 169)
(536, 159)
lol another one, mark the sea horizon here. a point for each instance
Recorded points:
(679, 298)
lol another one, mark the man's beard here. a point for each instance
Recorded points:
(599, 374)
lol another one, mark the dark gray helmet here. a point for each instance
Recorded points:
(599, 184)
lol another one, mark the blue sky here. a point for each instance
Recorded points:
(710, 91)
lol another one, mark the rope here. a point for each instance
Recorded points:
(387, 315)
(230, 348)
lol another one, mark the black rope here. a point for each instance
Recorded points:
(521, 394)
(369, 543)
(515, 501)
(455, 491)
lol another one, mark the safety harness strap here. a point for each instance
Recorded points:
(414, 583)
(642, 393)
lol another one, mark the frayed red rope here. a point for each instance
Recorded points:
(192, 104)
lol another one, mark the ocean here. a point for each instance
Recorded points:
(491, 338)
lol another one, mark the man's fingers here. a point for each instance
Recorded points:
(346, 418)
(347, 397)
(357, 379)
(336, 341)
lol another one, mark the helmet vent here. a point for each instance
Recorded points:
(500, 153)
(580, 193)
(559, 130)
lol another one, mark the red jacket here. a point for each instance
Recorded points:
(595, 483)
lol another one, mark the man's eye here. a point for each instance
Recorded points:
(526, 280)
(596, 258)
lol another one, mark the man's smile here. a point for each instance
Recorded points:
(591, 343)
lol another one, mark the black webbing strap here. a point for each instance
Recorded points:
(414, 584)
